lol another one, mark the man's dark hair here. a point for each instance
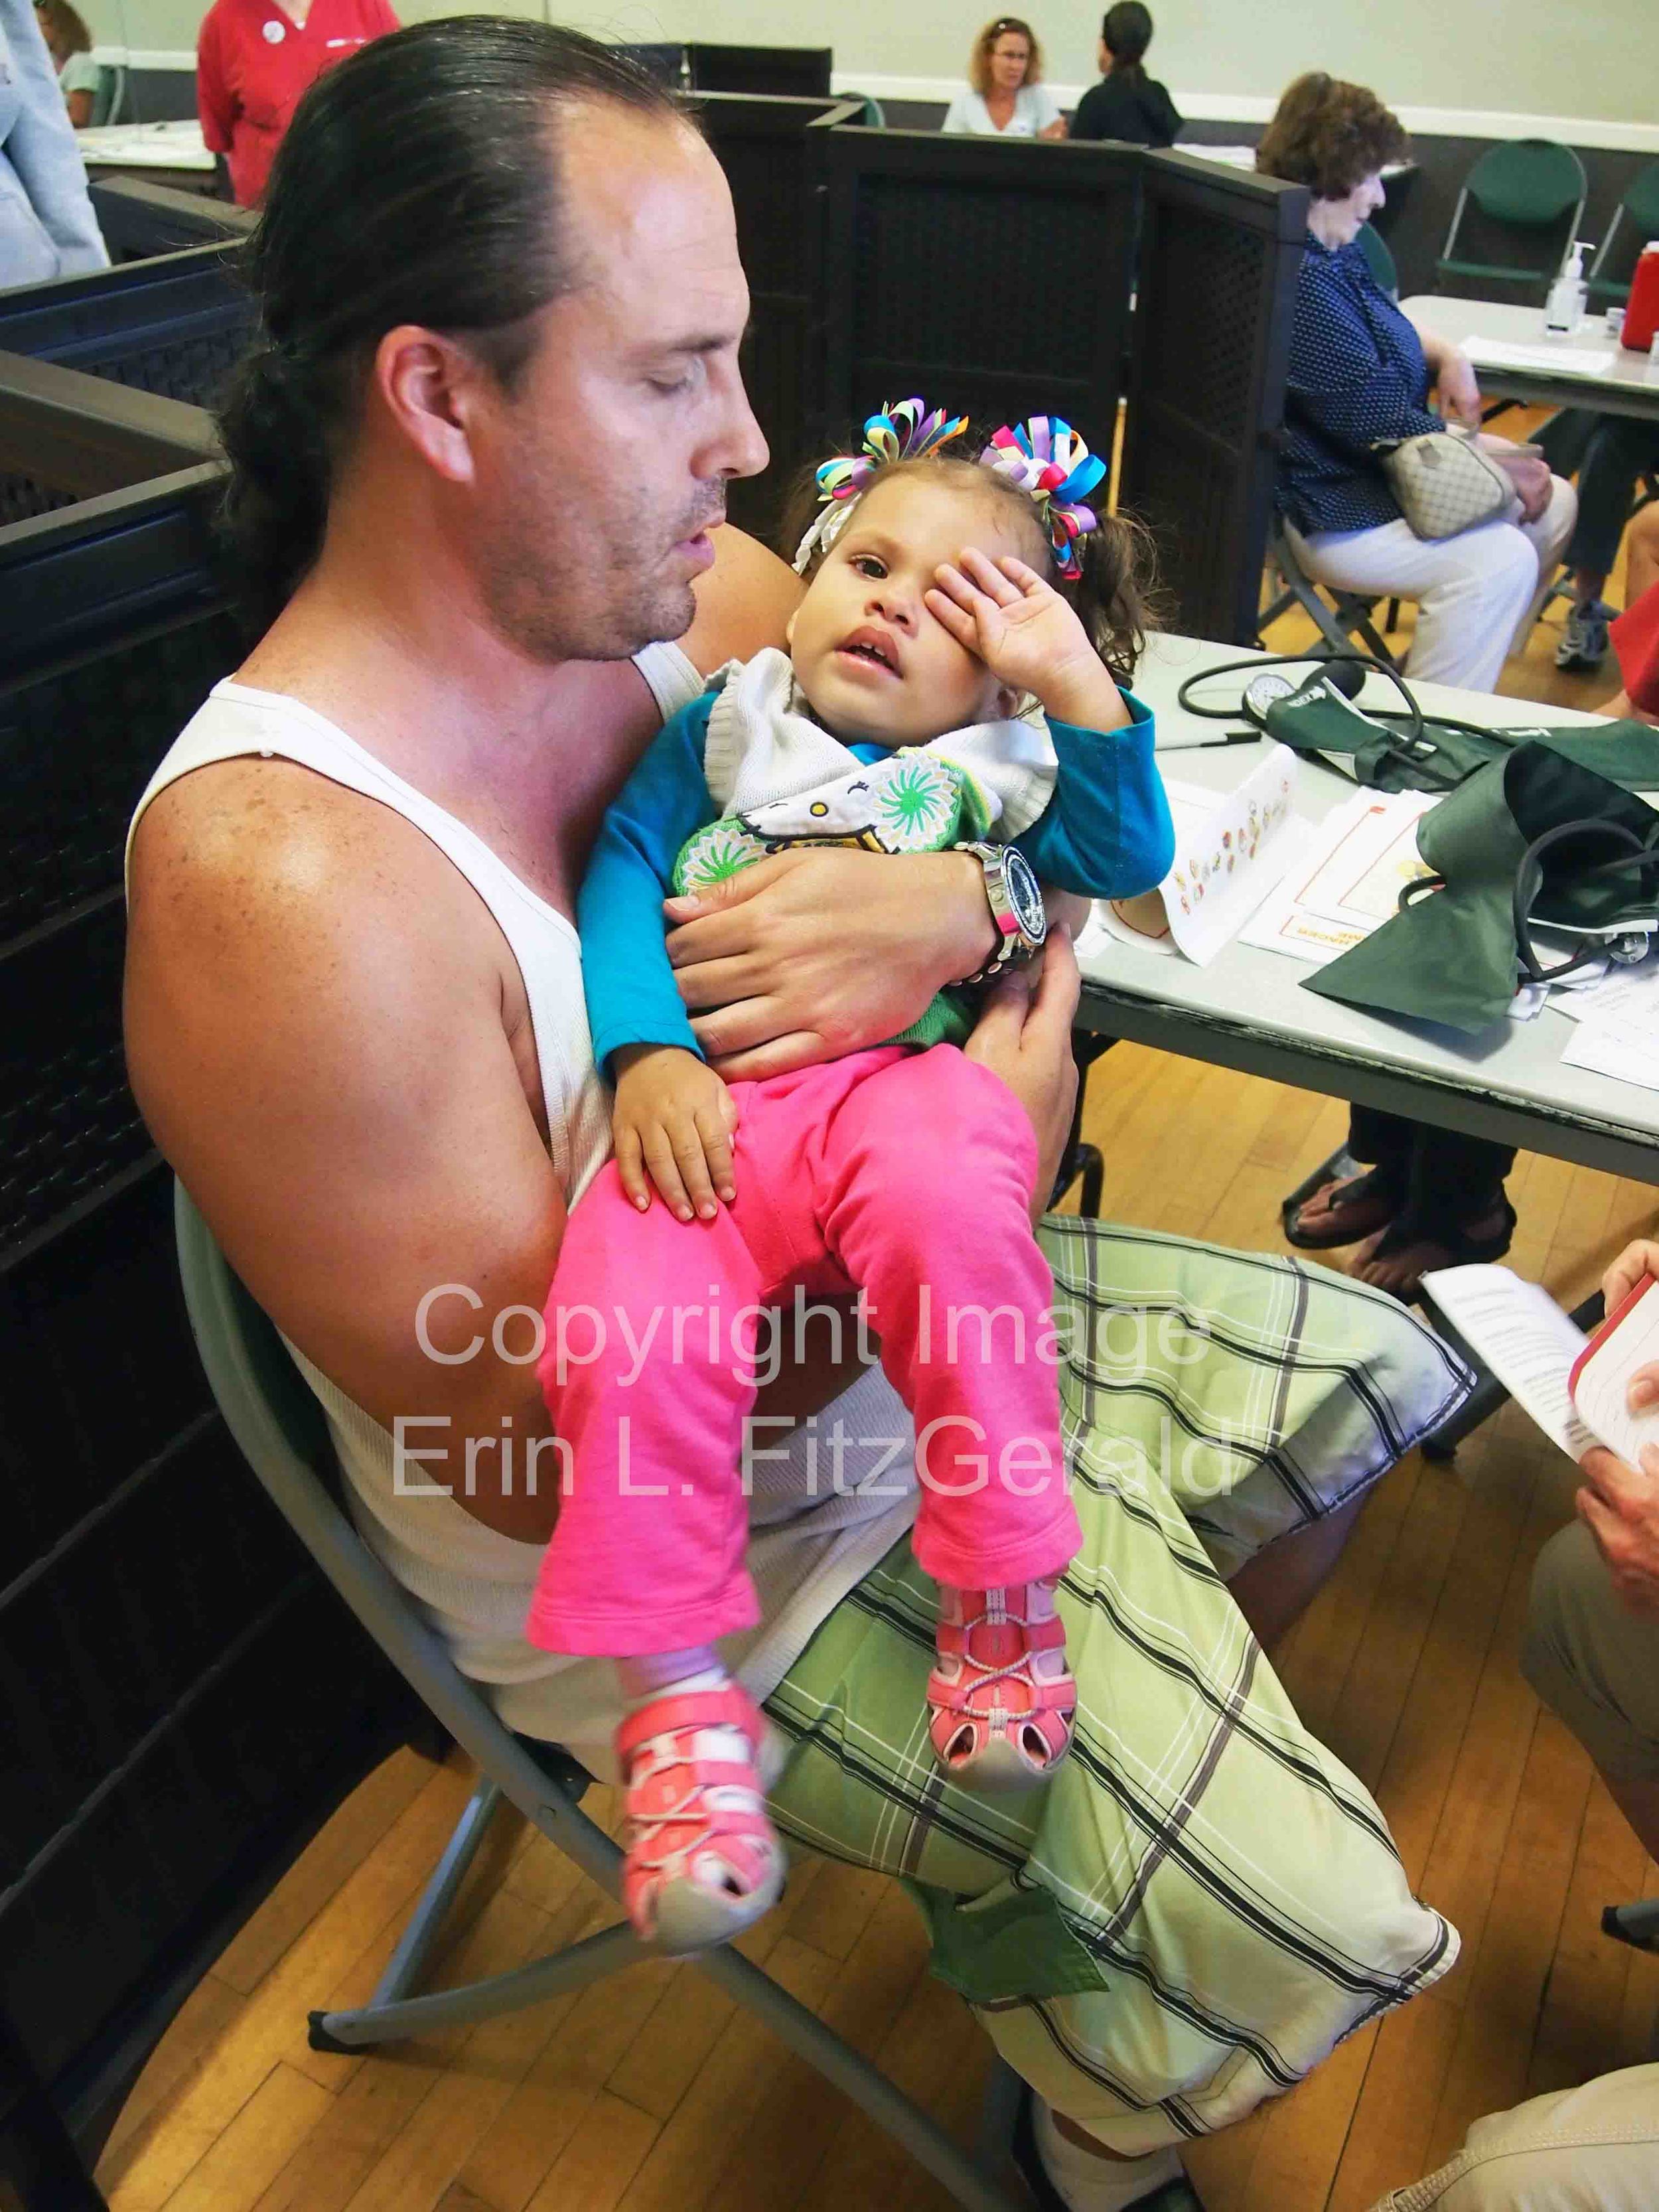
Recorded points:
(1127, 30)
(414, 186)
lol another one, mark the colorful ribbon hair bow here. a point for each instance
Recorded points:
(904, 430)
(1046, 457)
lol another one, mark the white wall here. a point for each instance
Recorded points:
(1595, 60)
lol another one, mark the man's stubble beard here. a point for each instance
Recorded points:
(608, 609)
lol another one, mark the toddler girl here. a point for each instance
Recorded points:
(945, 684)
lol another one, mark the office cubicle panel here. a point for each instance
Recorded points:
(769, 150)
(1220, 251)
(992, 278)
(793, 72)
(175, 326)
(140, 220)
(65, 436)
(186, 1700)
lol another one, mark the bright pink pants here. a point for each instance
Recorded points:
(904, 1174)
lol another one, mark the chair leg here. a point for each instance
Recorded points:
(573, 1968)
(579, 1965)
(426, 1923)
(1637, 1925)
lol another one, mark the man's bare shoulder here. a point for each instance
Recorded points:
(250, 844)
(742, 602)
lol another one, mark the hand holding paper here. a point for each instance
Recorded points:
(1620, 1506)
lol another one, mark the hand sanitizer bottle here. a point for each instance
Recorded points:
(1565, 310)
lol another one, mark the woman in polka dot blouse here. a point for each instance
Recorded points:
(1360, 374)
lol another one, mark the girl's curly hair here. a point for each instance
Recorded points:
(1116, 595)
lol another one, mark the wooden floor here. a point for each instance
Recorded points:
(649, 2093)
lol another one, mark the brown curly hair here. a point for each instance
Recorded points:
(1330, 135)
(979, 62)
(1116, 595)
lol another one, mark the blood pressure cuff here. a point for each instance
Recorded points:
(1320, 722)
(1450, 955)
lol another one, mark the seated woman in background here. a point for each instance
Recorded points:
(69, 44)
(1126, 104)
(1006, 97)
(1359, 373)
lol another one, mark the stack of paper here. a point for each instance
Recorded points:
(1347, 879)
(1560, 359)
(1232, 849)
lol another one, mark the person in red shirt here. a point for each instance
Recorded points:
(253, 60)
(1635, 636)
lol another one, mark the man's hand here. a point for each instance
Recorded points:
(673, 1126)
(1620, 1505)
(818, 952)
(1024, 1036)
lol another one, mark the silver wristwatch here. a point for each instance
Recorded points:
(1015, 898)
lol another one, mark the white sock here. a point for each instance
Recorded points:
(677, 1686)
(1087, 2183)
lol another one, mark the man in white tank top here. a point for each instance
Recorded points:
(354, 1009)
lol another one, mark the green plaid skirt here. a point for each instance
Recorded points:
(1203, 1901)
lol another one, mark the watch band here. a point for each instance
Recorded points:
(1015, 899)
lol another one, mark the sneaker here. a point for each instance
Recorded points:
(1584, 642)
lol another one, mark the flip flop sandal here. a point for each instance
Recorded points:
(1461, 1249)
(1357, 1189)
(1001, 1699)
(702, 1861)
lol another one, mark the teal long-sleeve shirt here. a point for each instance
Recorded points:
(1105, 833)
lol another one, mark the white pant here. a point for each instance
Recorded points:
(1476, 595)
(1596, 2146)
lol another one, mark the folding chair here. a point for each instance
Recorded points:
(1379, 259)
(1346, 616)
(1521, 189)
(280, 1428)
(1641, 204)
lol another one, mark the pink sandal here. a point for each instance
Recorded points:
(703, 1862)
(1001, 1696)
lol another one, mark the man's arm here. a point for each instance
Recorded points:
(316, 1036)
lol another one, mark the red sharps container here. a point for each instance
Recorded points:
(1641, 310)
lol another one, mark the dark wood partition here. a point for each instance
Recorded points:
(992, 278)
(185, 1698)
(176, 324)
(1220, 250)
(140, 220)
(772, 153)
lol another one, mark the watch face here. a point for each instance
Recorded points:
(1024, 894)
(1264, 692)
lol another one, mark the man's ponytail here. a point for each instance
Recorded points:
(275, 505)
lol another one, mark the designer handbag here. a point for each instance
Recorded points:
(1445, 483)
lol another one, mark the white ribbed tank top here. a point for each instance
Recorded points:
(807, 1549)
